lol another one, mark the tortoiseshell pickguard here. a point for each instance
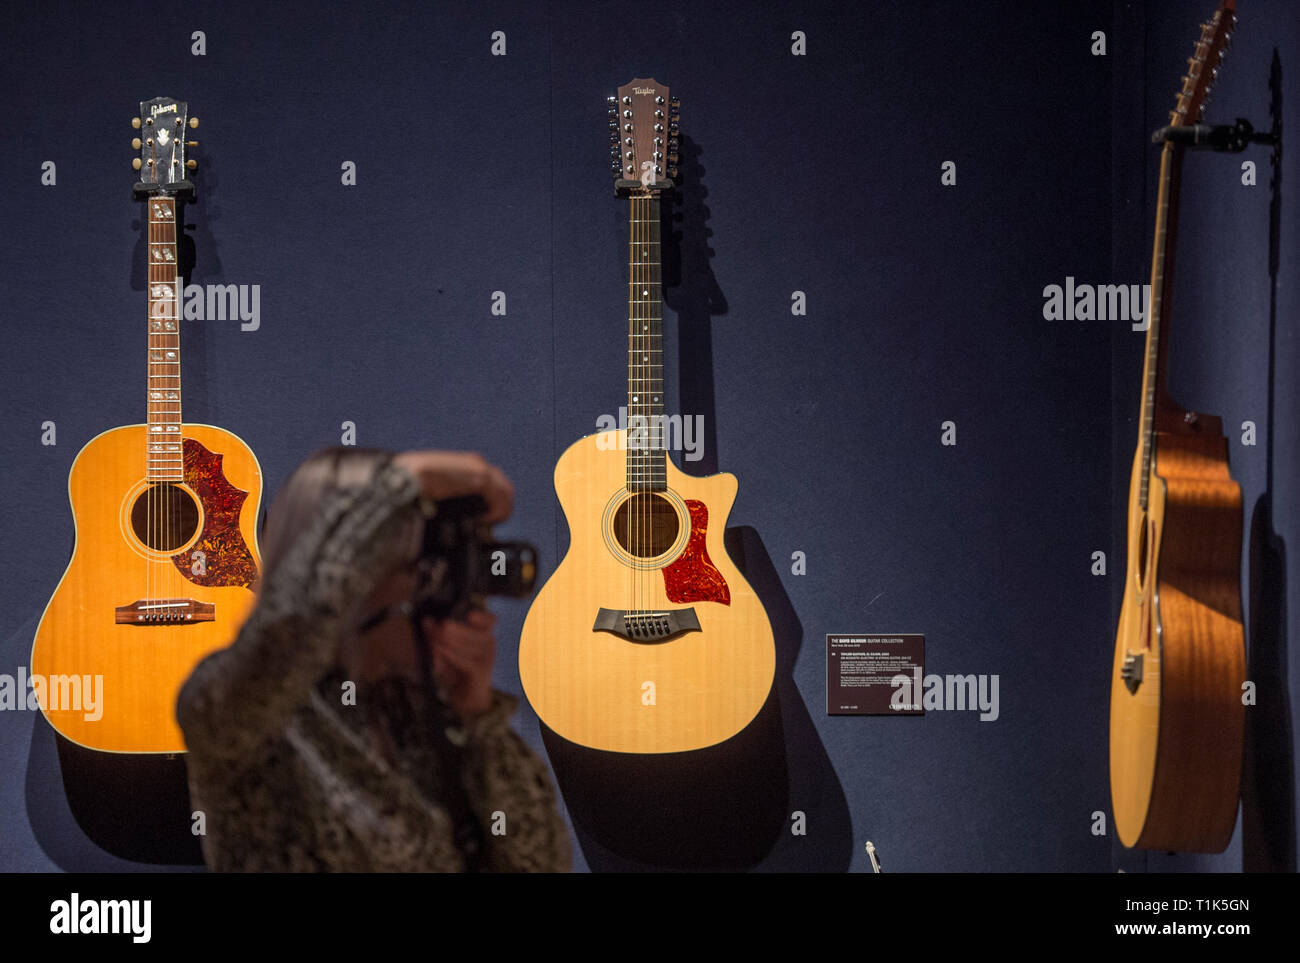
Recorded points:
(227, 558)
(692, 577)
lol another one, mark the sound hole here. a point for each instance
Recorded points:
(164, 517)
(1142, 547)
(646, 525)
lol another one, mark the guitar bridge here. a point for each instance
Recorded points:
(164, 612)
(644, 627)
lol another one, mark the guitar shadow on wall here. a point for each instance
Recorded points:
(1268, 841)
(133, 806)
(730, 806)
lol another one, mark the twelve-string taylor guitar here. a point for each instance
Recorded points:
(646, 639)
(165, 514)
(1176, 715)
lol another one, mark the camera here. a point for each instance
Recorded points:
(463, 564)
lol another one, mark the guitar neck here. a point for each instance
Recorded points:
(1154, 395)
(165, 461)
(645, 368)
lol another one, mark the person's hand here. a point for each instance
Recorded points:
(462, 660)
(450, 474)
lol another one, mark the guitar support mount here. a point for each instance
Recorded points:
(181, 190)
(1226, 138)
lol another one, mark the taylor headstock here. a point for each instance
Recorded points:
(643, 132)
(1203, 65)
(161, 128)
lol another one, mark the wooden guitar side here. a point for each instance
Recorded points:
(591, 687)
(1176, 743)
(143, 667)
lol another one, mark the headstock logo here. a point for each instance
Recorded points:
(643, 90)
(647, 173)
(155, 110)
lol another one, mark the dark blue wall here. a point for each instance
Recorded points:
(818, 173)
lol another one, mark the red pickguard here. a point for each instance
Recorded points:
(692, 577)
(227, 559)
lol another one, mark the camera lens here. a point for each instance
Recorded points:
(511, 569)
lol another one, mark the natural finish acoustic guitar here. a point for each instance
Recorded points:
(1176, 711)
(646, 639)
(165, 513)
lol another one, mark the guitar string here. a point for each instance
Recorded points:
(638, 453)
(151, 496)
(646, 411)
(647, 534)
(643, 438)
(634, 508)
(168, 501)
(630, 458)
(644, 456)
(642, 441)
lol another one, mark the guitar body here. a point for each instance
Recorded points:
(601, 690)
(209, 560)
(1176, 735)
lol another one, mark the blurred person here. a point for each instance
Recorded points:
(293, 775)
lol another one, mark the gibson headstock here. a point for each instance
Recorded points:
(162, 126)
(643, 138)
(1203, 65)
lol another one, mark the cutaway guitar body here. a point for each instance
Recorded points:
(1176, 712)
(141, 603)
(644, 688)
(1176, 715)
(646, 639)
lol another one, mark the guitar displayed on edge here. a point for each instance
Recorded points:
(1176, 711)
(165, 514)
(646, 639)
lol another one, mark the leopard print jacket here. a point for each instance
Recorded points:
(287, 774)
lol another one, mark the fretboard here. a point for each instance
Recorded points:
(645, 351)
(165, 460)
(1161, 276)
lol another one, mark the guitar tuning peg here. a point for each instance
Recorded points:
(135, 143)
(672, 173)
(194, 122)
(675, 103)
(191, 163)
(135, 164)
(135, 122)
(191, 143)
